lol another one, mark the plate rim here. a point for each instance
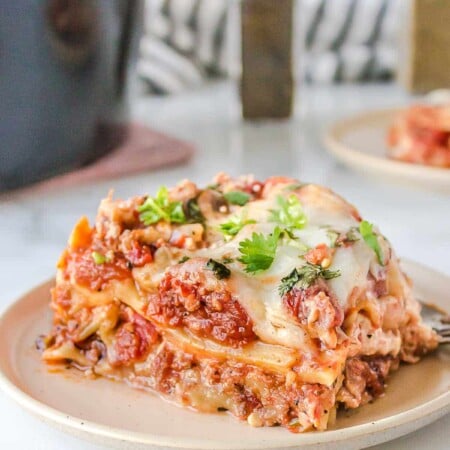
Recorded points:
(332, 140)
(425, 413)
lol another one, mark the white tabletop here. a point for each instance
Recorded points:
(34, 228)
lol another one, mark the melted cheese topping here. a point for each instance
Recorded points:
(284, 342)
(258, 293)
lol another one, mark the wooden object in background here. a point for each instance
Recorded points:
(427, 65)
(267, 81)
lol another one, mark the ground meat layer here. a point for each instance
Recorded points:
(132, 350)
(261, 397)
(364, 379)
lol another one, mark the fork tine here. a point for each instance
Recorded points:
(441, 329)
(438, 321)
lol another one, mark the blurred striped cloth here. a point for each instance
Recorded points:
(187, 41)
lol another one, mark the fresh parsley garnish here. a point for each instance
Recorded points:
(220, 270)
(290, 212)
(237, 198)
(288, 282)
(234, 225)
(258, 252)
(160, 207)
(99, 258)
(305, 276)
(183, 259)
(193, 213)
(371, 239)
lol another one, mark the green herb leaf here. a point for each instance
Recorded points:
(176, 213)
(99, 258)
(305, 276)
(183, 259)
(371, 239)
(161, 208)
(237, 197)
(288, 282)
(258, 252)
(234, 225)
(219, 269)
(193, 213)
(290, 212)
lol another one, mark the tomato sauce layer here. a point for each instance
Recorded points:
(190, 296)
(88, 273)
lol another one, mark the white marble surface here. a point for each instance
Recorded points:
(34, 228)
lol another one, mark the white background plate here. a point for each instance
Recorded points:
(360, 142)
(114, 414)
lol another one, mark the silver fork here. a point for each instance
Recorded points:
(438, 321)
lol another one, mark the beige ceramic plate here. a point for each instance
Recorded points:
(114, 414)
(360, 142)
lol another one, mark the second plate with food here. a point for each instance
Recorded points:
(113, 414)
(360, 143)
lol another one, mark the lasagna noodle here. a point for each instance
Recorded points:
(314, 369)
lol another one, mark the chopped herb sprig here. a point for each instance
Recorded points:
(234, 225)
(193, 213)
(258, 252)
(237, 198)
(371, 239)
(305, 276)
(289, 213)
(99, 258)
(160, 207)
(220, 270)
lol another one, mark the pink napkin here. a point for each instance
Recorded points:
(137, 149)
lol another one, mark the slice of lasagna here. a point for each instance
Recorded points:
(272, 300)
(421, 135)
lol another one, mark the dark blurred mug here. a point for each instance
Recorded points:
(63, 69)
